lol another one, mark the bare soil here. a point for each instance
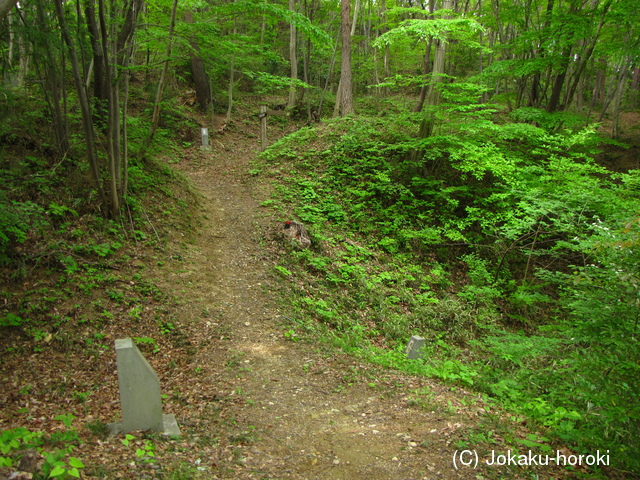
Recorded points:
(285, 409)
(301, 411)
(251, 402)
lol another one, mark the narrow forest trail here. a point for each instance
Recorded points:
(284, 409)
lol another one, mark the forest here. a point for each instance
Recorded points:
(468, 172)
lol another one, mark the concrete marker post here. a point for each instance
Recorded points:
(140, 396)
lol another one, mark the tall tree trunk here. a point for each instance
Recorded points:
(232, 70)
(346, 86)
(615, 94)
(328, 80)
(617, 101)
(52, 83)
(433, 95)
(113, 120)
(125, 140)
(155, 118)
(585, 56)
(82, 99)
(200, 79)
(293, 59)
(426, 66)
(554, 100)
(99, 84)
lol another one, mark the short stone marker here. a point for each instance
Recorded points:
(204, 135)
(414, 347)
(140, 394)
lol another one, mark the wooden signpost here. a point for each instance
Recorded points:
(264, 113)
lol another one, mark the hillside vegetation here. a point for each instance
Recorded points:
(504, 244)
(469, 193)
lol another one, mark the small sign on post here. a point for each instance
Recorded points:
(204, 133)
(414, 347)
(263, 127)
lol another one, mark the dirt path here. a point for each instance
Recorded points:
(297, 412)
(273, 408)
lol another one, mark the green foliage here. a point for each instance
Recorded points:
(18, 220)
(268, 84)
(148, 341)
(57, 463)
(455, 244)
(460, 29)
(11, 320)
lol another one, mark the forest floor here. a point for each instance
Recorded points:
(299, 410)
(252, 402)
(284, 409)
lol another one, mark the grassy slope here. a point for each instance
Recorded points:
(392, 257)
(443, 249)
(74, 281)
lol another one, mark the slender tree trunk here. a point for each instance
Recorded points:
(99, 84)
(293, 59)
(263, 26)
(433, 95)
(426, 66)
(328, 80)
(232, 70)
(585, 56)
(615, 95)
(82, 99)
(336, 107)
(554, 100)
(346, 87)
(52, 85)
(597, 95)
(125, 139)
(113, 120)
(615, 114)
(306, 97)
(155, 118)
(426, 69)
(601, 76)
(230, 92)
(200, 80)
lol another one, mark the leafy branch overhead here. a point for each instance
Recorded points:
(462, 30)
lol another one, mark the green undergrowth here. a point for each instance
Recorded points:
(65, 263)
(49, 460)
(73, 279)
(497, 238)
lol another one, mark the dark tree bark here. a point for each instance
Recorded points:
(199, 72)
(554, 100)
(99, 86)
(53, 81)
(293, 59)
(5, 8)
